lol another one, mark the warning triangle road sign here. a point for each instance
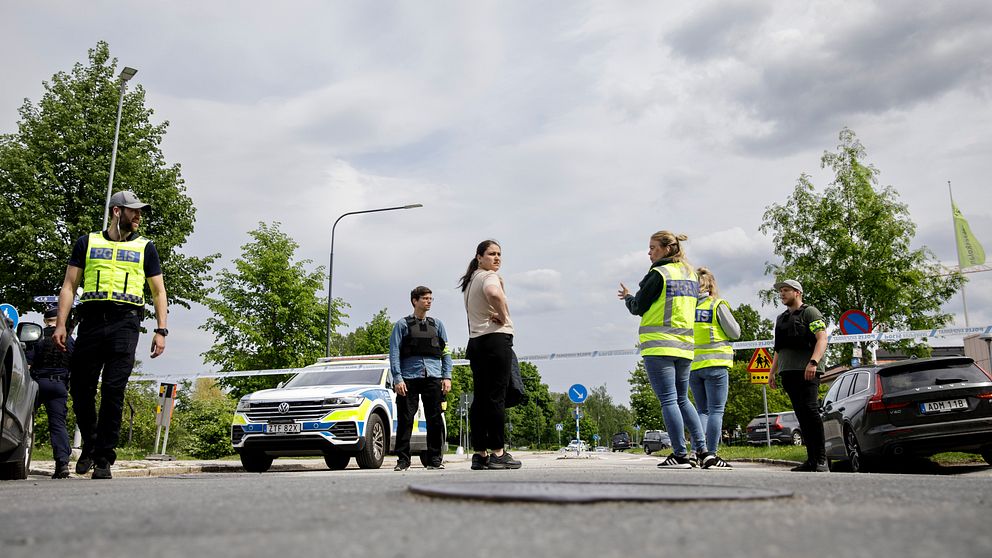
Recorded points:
(761, 361)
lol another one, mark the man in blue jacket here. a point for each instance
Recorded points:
(420, 363)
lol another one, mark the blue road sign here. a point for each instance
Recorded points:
(595, 437)
(854, 322)
(10, 313)
(559, 427)
(578, 414)
(637, 427)
(47, 299)
(578, 393)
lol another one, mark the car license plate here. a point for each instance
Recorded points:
(943, 406)
(759, 429)
(283, 428)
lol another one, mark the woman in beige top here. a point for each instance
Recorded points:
(489, 352)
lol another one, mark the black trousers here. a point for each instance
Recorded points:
(105, 343)
(804, 395)
(417, 389)
(53, 393)
(490, 357)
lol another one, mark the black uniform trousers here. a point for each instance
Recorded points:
(53, 394)
(490, 357)
(106, 342)
(804, 395)
(417, 389)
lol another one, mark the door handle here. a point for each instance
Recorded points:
(840, 409)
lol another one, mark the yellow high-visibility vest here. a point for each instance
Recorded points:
(667, 327)
(114, 270)
(712, 343)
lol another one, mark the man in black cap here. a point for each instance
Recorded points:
(50, 368)
(113, 267)
(800, 343)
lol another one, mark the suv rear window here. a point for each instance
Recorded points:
(761, 420)
(930, 374)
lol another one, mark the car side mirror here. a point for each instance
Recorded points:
(28, 332)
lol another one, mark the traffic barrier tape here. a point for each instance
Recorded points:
(835, 339)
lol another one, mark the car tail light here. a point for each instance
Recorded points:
(875, 402)
(986, 395)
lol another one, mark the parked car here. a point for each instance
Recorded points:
(621, 441)
(18, 393)
(909, 408)
(782, 428)
(655, 440)
(335, 409)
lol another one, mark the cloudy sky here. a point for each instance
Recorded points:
(569, 131)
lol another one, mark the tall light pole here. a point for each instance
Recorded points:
(126, 74)
(330, 267)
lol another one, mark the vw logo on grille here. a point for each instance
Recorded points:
(283, 408)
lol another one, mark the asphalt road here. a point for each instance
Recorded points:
(356, 513)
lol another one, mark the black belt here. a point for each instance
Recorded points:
(107, 313)
(59, 376)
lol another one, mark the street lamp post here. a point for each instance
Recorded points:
(330, 267)
(126, 74)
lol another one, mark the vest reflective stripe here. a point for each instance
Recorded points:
(114, 270)
(667, 327)
(712, 343)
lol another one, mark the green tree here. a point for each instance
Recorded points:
(266, 312)
(372, 338)
(54, 173)
(850, 248)
(643, 402)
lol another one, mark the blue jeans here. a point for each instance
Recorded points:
(709, 389)
(669, 377)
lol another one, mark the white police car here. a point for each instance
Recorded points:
(338, 408)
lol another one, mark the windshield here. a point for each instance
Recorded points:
(338, 376)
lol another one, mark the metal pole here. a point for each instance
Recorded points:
(957, 250)
(768, 433)
(330, 265)
(126, 74)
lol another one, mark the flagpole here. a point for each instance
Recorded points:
(957, 249)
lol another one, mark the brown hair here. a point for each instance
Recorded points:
(473, 265)
(707, 282)
(415, 294)
(668, 238)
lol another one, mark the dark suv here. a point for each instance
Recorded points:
(655, 440)
(782, 428)
(908, 408)
(621, 441)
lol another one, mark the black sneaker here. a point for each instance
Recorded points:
(101, 469)
(692, 460)
(676, 462)
(401, 466)
(505, 461)
(84, 464)
(804, 467)
(719, 463)
(435, 465)
(706, 459)
(61, 470)
(479, 462)
(821, 467)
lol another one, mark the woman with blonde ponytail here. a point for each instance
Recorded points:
(709, 380)
(666, 302)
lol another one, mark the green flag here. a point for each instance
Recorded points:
(970, 252)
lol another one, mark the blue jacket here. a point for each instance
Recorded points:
(417, 366)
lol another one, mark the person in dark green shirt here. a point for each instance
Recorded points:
(800, 343)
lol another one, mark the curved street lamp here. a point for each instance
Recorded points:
(330, 267)
(126, 74)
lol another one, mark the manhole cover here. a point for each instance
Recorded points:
(573, 492)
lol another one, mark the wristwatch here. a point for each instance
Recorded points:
(164, 332)
(814, 362)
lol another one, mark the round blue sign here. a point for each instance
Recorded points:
(578, 393)
(11, 314)
(854, 322)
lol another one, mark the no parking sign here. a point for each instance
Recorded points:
(854, 322)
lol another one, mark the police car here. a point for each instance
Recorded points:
(338, 408)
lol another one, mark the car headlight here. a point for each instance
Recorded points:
(349, 401)
(243, 405)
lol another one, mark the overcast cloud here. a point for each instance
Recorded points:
(568, 131)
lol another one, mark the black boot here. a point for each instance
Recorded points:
(61, 470)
